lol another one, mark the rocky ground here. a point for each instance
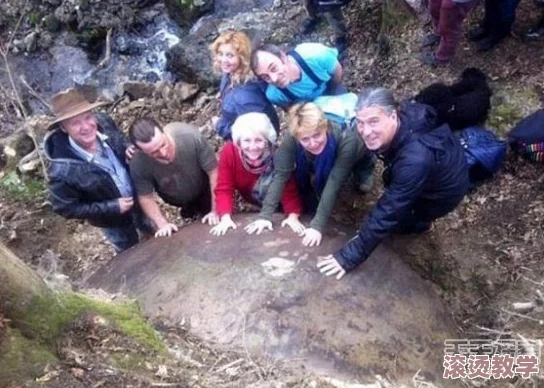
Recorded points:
(483, 257)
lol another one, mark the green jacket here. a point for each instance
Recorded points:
(350, 150)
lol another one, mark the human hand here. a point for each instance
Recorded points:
(166, 230)
(293, 222)
(330, 266)
(125, 204)
(214, 120)
(258, 226)
(211, 218)
(129, 152)
(312, 237)
(221, 228)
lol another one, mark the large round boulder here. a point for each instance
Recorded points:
(264, 294)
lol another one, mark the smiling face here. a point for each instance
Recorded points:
(253, 146)
(313, 141)
(227, 58)
(161, 147)
(82, 129)
(272, 69)
(376, 127)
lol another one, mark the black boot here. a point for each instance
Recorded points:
(341, 45)
(477, 34)
(309, 25)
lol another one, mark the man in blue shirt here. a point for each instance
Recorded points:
(309, 71)
(88, 176)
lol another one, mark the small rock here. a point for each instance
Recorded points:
(31, 42)
(137, 90)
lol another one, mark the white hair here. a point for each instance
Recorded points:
(253, 123)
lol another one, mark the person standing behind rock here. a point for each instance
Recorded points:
(332, 10)
(309, 71)
(179, 165)
(447, 17)
(246, 165)
(240, 91)
(88, 176)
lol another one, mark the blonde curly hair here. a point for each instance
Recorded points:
(242, 46)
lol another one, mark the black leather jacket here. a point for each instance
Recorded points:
(79, 189)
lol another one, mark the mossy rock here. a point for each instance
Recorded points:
(21, 358)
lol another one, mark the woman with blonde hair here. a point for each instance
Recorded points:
(321, 155)
(246, 165)
(240, 92)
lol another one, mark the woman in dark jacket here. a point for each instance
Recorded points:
(425, 177)
(240, 92)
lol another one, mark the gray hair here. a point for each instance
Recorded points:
(253, 123)
(380, 97)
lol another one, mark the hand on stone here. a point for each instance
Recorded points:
(211, 218)
(166, 230)
(329, 266)
(258, 226)
(221, 228)
(125, 204)
(293, 222)
(312, 237)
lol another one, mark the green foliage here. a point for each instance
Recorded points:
(20, 357)
(20, 187)
(34, 18)
(46, 318)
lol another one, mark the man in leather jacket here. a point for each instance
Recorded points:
(426, 174)
(88, 175)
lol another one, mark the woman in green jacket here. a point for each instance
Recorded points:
(322, 156)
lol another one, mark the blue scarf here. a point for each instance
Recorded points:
(323, 164)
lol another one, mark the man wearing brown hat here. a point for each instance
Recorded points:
(88, 176)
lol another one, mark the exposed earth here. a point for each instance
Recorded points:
(483, 257)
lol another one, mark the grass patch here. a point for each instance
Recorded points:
(46, 318)
(21, 187)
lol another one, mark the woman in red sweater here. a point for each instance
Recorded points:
(246, 166)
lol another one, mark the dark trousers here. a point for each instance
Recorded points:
(334, 17)
(448, 17)
(499, 18)
(124, 237)
(200, 206)
(424, 212)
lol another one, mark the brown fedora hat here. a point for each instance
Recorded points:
(70, 103)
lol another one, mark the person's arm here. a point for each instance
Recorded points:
(224, 190)
(66, 201)
(336, 79)
(407, 183)
(284, 165)
(152, 210)
(208, 162)
(345, 160)
(212, 177)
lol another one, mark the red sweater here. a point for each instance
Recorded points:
(233, 176)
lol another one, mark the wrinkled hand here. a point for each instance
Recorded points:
(258, 226)
(312, 237)
(125, 204)
(221, 228)
(293, 222)
(211, 218)
(129, 152)
(329, 266)
(166, 230)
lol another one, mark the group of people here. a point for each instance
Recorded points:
(447, 18)
(97, 175)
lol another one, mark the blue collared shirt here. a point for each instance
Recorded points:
(106, 159)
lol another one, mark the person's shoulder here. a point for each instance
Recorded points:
(180, 127)
(311, 51)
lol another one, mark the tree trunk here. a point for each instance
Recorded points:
(20, 288)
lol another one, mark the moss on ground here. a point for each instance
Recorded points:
(47, 318)
(21, 187)
(21, 357)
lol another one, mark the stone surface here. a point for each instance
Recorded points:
(186, 12)
(264, 294)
